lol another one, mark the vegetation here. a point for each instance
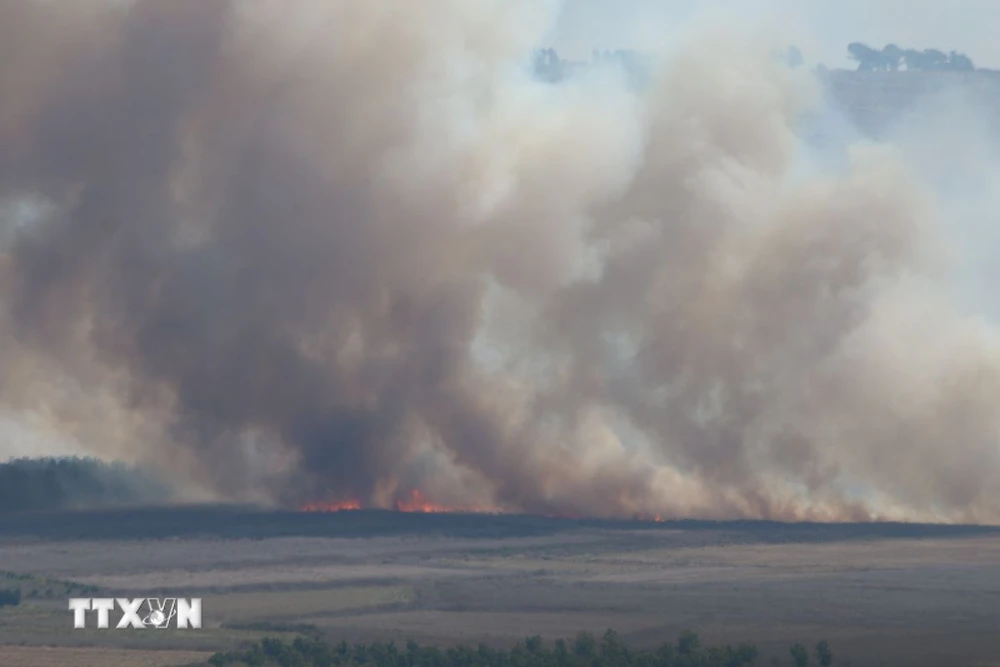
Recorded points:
(586, 650)
(800, 656)
(549, 66)
(34, 587)
(32, 484)
(93, 656)
(823, 654)
(793, 56)
(10, 597)
(892, 58)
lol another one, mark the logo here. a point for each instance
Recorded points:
(160, 612)
(138, 613)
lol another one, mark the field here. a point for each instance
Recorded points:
(47, 656)
(880, 594)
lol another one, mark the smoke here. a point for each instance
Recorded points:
(339, 250)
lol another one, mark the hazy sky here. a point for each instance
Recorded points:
(822, 28)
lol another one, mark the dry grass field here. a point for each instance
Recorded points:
(51, 656)
(886, 595)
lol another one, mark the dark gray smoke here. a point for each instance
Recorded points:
(345, 250)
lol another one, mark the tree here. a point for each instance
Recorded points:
(562, 654)
(746, 654)
(613, 649)
(585, 645)
(868, 58)
(716, 655)
(794, 56)
(688, 643)
(548, 65)
(892, 57)
(960, 62)
(800, 656)
(934, 59)
(10, 597)
(824, 656)
(665, 654)
(913, 59)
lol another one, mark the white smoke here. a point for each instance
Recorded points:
(342, 249)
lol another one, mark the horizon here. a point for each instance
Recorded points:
(820, 25)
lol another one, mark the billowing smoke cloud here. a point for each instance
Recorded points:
(345, 250)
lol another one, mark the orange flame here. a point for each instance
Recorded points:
(417, 503)
(341, 506)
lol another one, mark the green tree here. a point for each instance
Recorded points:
(666, 654)
(800, 656)
(585, 651)
(824, 656)
(688, 643)
(10, 597)
(613, 649)
(746, 654)
(585, 645)
(562, 653)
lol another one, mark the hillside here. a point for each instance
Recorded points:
(873, 100)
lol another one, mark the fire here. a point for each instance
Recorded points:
(341, 506)
(415, 502)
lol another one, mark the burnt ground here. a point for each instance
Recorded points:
(889, 594)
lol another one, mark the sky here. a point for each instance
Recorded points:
(821, 28)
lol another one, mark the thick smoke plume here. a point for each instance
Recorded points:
(348, 250)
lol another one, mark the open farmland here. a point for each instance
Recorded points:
(48, 656)
(881, 594)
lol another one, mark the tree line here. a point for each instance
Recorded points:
(892, 58)
(549, 66)
(586, 650)
(10, 597)
(32, 484)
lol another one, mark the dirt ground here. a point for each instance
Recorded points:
(882, 595)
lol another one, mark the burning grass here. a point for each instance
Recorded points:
(416, 502)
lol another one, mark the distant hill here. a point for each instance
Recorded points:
(75, 483)
(872, 100)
